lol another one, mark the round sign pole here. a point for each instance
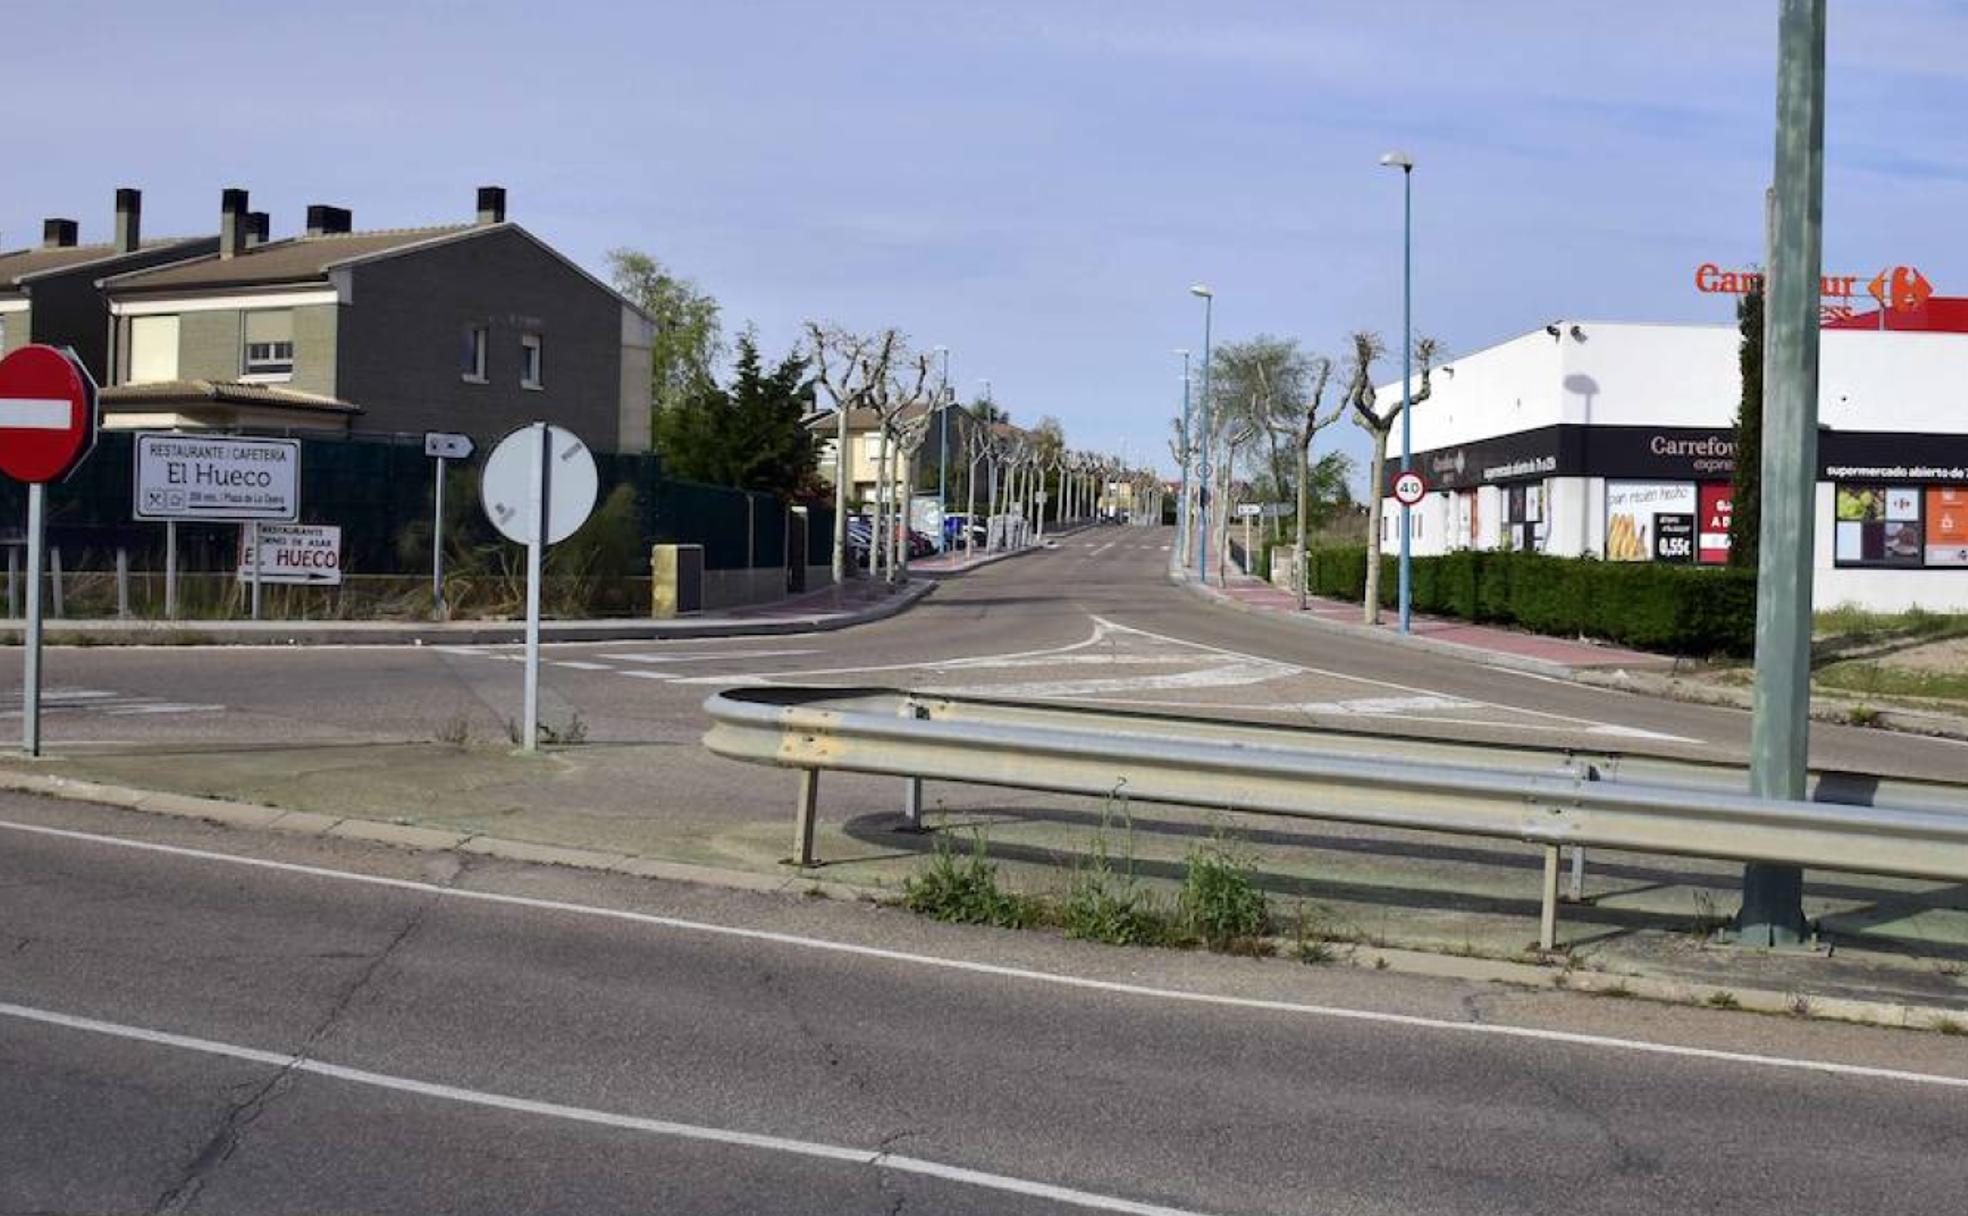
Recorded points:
(539, 498)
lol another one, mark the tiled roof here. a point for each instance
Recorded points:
(226, 392)
(300, 259)
(20, 263)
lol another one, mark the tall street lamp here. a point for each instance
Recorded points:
(1405, 163)
(1202, 496)
(1188, 442)
(943, 452)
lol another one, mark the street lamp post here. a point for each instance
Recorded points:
(1405, 163)
(1188, 443)
(1202, 499)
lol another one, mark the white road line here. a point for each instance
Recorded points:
(701, 658)
(1332, 1012)
(1528, 675)
(474, 651)
(647, 675)
(580, 665)
(1595, 727)
(581, 1114)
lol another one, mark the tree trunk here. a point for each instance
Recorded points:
(1298, 566)
(970, 512)
(1377, 488)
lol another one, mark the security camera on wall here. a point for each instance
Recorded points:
(1552, 329)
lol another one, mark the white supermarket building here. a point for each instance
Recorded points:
(1616, 440)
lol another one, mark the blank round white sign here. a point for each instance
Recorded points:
(506, 484)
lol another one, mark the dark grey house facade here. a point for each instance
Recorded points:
(49, 294)
(476, 327)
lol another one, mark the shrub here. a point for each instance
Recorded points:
(965, 890)
(1220, 903)
(1102, 906)
(1682, 609)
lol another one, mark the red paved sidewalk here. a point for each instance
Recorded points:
(1260, 596)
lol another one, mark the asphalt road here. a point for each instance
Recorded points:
(180, 1032)
(1094, 620)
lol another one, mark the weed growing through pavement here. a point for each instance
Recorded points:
(456, 730)
(965, 890)
(1708, 921)
(1312, 942)
(1104, 904)
(1949, 1026)
(1220, 902)
(1799, 1004)
(1722, 999)
(574, 733)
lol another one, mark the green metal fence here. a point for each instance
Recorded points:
(380, 493)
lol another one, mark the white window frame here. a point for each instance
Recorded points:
(480, 339)
(533, 350)
(273, 369)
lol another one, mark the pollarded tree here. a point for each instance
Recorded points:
(848, 367)
(1379, 424)
(1310, 420)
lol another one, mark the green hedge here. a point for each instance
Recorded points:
(1681, 609)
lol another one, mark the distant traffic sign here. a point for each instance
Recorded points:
(1409, 488)
(47, 414)
(446, 445)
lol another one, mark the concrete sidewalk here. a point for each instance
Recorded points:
(859, 602)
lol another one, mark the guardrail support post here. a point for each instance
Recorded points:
(912, 804)
(804, 816)
(1548, 913)
(1577, 895)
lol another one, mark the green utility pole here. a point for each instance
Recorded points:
(1773, 895)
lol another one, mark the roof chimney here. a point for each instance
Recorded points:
(58, 234)
(232, 222)
(323, 220)
(129, 220)
(259, 226)
(491, 204)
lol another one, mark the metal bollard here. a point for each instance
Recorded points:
(55, 578)
(122, 583)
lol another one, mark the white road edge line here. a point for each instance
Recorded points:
(581, 1114)
(1336, 1012)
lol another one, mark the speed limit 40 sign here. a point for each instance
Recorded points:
(1409, 488)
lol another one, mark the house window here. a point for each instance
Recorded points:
(270, 343)
(473, 366)
(153, 349)
(529, 361)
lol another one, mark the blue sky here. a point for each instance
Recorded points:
(1033, 184)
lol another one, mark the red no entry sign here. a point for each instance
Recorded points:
(47, 413)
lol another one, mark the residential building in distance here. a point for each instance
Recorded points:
(474, 327)
(48, 294)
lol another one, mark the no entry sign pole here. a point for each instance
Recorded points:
(31, 662)
(47, 425)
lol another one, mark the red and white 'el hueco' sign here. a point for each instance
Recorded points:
(47, 414)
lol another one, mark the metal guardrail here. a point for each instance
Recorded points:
(1551, 796)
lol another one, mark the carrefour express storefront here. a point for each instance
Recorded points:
(1616, 441)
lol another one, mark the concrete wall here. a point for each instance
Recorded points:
(400, 341)
(315, 326)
